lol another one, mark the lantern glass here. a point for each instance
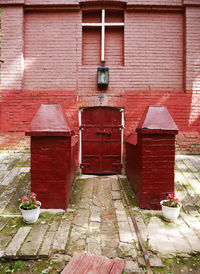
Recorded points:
(102, 76)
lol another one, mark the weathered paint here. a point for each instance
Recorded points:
(50, 120)
(150, 160)
(94, 264)
(43, 62)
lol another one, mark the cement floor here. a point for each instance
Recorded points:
(97, 220)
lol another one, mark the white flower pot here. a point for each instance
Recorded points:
(170, 213)
(30, 216)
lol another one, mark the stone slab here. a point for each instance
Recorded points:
(193, 222)
(114, 184)
(116, 195)
(93, 246)
(16, 242)
(118, 205)
(60, 240)
(94, 230)
(131, 267)
(88, 189)
(142, 227)
(46, 245)
(3, 222)
(33, 241)
(10, 176)
(121, 216)
(81, 221)
(127, 250)
(158, 241)
(190, 236)
(95, 216)
(132, 229)
(5, 198)
(154, 261)
(125, 234)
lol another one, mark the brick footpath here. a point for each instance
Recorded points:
(97, 220)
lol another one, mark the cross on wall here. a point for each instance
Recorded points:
(103, 25)
(101, 98)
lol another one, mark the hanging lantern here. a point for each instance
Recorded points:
(102, 75)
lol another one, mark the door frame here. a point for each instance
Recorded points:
(80, 131)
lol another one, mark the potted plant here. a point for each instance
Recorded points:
(30, 208)
(170, 207)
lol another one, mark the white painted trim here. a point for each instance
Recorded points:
(100, 24)
(122, 135)
(91, 24)
(80, 135)
(103, 24)
(113, 24)
(103, 35)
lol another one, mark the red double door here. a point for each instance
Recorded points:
(101, 132)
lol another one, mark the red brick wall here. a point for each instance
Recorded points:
(153, 71)
(154, 50)
(192, 48)
(12, 42)
(50, 50)
(51, 2)
(156, 2)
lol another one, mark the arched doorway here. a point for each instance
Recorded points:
(101, 139)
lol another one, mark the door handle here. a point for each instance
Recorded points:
(107, 133)
(99, 132)
(103, 132)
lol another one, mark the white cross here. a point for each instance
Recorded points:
(103, 24)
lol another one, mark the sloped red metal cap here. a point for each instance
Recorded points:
(132, 139)
(50, 120)
(157, 118)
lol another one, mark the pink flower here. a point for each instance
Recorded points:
(33, 194)
(25, 198)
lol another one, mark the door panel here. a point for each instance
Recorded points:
(101, 140)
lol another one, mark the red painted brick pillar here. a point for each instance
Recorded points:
(51, 151)
(152, 170)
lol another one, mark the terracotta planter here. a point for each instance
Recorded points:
(170, 213)
(30, 216)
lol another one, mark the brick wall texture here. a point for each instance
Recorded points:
(43, 62)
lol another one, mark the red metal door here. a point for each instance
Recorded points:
(101, 140)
